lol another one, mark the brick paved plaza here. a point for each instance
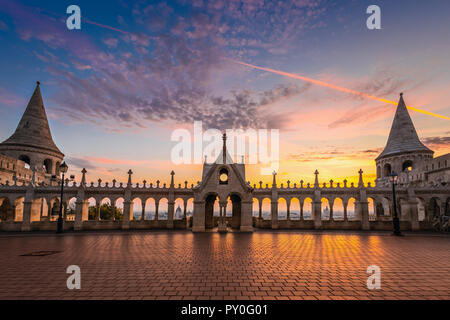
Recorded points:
(263, 265)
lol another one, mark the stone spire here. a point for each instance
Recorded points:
(403, 136)
(224, 148)
(33, 129)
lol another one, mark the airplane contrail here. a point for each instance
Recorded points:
(335, 87)
(105, 26)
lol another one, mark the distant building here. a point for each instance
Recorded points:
(31, 147)
(408, 156)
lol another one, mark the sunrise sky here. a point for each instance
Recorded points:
(115, 90)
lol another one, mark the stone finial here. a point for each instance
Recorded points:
(172, 173)
(288, 183)
(260, 184)
(185, 184)
(99, 182)
(114, 183)
(83, 177)
(144, 184)
(331, 183)
(274, 180)
(360, 182)
(301, 183)
(129, 177)
(316, 180)
(157, 183)
(345, 183)
(401, 94)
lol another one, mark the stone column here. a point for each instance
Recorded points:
(198, 224)
(171, 202)
(345, 211)
(301, 210)
(274, 202)
(246, 216)
(127, 205)
(288, 210)
(317, 206)
(143, 210)
(27, 204)
(363, 208)
(26, 217)
(81, 213)
(97, 215)
(274, 212)
(414, 214)
(317, 212)
(171, 205)
(113, 210)
(331, 210)
(260, 208)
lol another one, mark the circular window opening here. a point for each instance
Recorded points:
(223, 176)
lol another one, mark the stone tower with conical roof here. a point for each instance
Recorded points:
(32, 141)
(404, 151)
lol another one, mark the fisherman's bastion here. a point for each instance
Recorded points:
(30, 185)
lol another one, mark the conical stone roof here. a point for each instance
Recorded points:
(33, 129)
(403, 137)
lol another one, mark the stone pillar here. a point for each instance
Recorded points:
(301, 209)
(363, 208)
(171, 202)
(81, 213)
(317, 205)
(414, 214)
(260, 201)
(27, 204)
(246, 216)
(41, 217)
(171, 205)
(274, 212)
(274, 202)
(331, 210)
(317, 213)
(288, 209)
(143, 210)
(97, 215)
(26, 217)
(127, 205)
(198, 224)
(345, 211)
(113, 211)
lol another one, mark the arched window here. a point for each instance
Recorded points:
(25, 159)
(387, 169)
(407, 165)
(48, 166)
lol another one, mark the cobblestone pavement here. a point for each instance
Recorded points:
(262, 265)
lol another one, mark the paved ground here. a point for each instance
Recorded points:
(262, 265)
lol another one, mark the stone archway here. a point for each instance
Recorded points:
(237, 212)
